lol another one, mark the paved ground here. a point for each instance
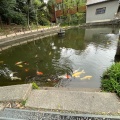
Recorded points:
(84, 102)
(15, 92)
(68, 100)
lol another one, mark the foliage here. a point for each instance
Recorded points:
(7, 9)
(111, 79)
(75, 19)
(34, 85)
(19, 18)
(22, 11)
(67, 6)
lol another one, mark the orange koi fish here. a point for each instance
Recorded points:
(39, 73)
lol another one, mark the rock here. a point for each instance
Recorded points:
(1, 106)
(22, 107)
(8, 105)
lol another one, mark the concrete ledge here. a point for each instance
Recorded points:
(72, 89)
(83, 102)
(18, 39)
(15, 92)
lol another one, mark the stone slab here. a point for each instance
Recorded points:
(15, 92)
(18, 114)
(83, 102)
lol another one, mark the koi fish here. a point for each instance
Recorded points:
(39, 73)
(64, 76)
(86, 77)
(20, 66)
(76, 70)
(36, 56)
(12, 73)
(50, 53)
(26, 63)
(26, 70)
(15, 78)
(68, 76)
(77, 74)
(18, 63)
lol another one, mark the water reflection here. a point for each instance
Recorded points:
(91, 50)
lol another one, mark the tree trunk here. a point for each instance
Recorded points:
(77, 8)
(36, 17)
(28, 19)
(9, 21)
(63, 7)
(28, 14)
(1, 25)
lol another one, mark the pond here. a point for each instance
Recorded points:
(76, 60)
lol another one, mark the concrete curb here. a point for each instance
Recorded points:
(21, 39)
(41, 115)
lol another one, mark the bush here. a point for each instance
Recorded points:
(111, 79)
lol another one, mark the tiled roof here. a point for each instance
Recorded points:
(89, 2)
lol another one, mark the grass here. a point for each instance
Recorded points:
(23, 102)
(111, 79)
(34, 85)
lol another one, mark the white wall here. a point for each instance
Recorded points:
(111, 9)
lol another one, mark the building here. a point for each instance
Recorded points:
(62, 8)
(102, 10)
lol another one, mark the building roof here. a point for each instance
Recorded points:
(90, 2)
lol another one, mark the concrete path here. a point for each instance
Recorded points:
(15, 92)
(65, 100)
(83, 102)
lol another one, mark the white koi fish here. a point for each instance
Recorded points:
(12, 73)
(65, 76)
(86, 77)
(15, 78)
(76, 70)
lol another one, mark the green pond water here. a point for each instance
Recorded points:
(90, 50)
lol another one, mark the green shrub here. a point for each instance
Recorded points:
(34, 85)
(111, 79)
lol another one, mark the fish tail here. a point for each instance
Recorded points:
(83, 71)
(81, 78)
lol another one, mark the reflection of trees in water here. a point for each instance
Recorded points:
(63, 83)
(74, 39)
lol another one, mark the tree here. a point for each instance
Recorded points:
(7, 10)
(51, 7)
(39, 7)
(80, 3)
